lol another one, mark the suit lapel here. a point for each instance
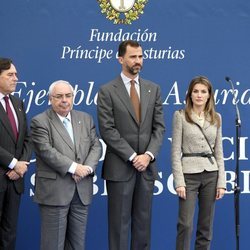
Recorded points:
(122, 92)
(19, 112)
(58, 125)
(207, 123)
(194, 118)
(76, 124)
(5, 120)
(145, 93)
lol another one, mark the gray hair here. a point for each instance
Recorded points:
(53, 84)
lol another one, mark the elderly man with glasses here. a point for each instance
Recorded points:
(67, 153)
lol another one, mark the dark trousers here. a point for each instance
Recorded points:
(129, 213)
(9, 207)
(203, 186)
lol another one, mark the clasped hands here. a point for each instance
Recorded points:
(18, 171)
(81, 172)
(141, 162)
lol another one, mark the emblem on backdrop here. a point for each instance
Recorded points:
(122, 11)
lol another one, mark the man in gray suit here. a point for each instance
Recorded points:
(67, 153)
(131, 123)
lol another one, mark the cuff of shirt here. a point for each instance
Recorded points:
(72, 168)
(150, 154)
(132, 157)
(13, 163)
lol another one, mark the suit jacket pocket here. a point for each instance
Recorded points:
(44, 174)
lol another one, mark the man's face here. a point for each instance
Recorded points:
(62, 99)
(8, 80)
(132, 61)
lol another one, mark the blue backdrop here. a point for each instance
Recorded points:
(72, 40)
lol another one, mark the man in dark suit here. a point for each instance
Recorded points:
(15, 153)
(67, 153)
(131, 123)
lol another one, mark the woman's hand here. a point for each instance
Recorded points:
(219, 193)
(181, 192)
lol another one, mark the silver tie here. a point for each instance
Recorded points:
(67, 124)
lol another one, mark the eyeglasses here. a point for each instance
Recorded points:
(61, 96)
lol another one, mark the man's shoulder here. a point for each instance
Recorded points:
(12, 96)
(149, 82)
(111, 83)
(80, 114)
(45, 114)
(16, 99)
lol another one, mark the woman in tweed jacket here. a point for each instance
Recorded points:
(198, 168)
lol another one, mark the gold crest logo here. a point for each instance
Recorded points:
(122, 11)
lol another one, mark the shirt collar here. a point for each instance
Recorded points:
(127, 80)
(63, 117)
(2, 96)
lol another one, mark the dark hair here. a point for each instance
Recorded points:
(123, 46)
(210, 105)
(5, 63)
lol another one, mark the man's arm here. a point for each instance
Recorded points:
(158, 126)
(95, 146)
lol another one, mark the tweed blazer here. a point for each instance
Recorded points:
(55, 152)
(188, 138)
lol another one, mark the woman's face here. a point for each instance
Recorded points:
(200, 96)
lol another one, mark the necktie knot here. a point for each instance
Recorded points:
(6, 99)
(65, 121)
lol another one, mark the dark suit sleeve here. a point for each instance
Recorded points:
(158, 126)
(5, 158)
(21, 150)
(95, 147)
(27, 144)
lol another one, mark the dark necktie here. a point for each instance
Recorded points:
(135, 101)
(11, 116)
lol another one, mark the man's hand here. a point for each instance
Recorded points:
(21, 167)
(12, 175)
(82, 170)
(140, 162)
(76, 178)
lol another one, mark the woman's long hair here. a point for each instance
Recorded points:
(209, 110)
